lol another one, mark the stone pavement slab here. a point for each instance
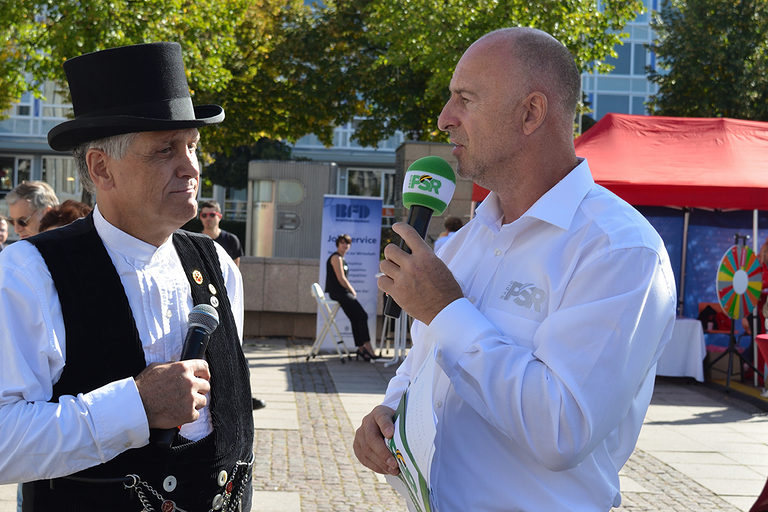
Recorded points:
(699, 450)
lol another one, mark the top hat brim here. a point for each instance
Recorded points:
(67, 135)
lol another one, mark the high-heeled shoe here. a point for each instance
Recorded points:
(366, 354)
(362, 354)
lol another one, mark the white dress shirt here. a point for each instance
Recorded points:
(41, 439)
(547, 365)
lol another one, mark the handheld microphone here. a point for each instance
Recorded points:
(203, 320)
(428, 187)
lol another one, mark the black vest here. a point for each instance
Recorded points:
(103, 345)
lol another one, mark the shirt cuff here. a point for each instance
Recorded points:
(119, 420)
(455, 331)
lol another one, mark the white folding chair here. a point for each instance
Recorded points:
(328, 309)
(400, 331)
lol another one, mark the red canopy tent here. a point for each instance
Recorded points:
(675, 161)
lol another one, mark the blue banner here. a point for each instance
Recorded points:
(360, 218)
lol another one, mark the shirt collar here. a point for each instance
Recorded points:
(557, 206)
(127, 246)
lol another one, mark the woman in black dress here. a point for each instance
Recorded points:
(341, 290)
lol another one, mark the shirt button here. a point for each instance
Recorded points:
(169, 484)
(168, 313)
(439, 404)
(222, 478)
(497, 252)
(439, 353)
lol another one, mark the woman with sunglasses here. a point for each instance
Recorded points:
(341, 290)
(27, 203)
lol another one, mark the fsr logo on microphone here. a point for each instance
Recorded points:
(425, 182)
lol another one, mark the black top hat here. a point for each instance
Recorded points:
(129, 89)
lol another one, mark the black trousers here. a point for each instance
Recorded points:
(357, 317)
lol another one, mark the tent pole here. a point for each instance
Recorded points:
(754, 311)
(681, 295)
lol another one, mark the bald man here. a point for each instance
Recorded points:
(539, 327)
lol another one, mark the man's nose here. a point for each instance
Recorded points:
(190, 165)
(446, 120)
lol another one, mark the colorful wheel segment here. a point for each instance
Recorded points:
(739, 281)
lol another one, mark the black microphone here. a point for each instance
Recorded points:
(428, 187)
(203, 320)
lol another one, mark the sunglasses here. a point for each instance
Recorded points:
(212, 214)
(21, 221)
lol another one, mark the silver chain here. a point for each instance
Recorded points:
(137, 484)
(228, 505)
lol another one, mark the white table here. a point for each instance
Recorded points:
(685, 352)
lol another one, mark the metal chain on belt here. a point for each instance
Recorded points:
(136, 485)
(230, 504)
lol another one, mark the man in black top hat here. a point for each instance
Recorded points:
(95, 314)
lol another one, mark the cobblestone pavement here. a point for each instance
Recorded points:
(317, 460)
(304, 457)
(665, 489)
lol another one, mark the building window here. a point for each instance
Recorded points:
(611, 103)
(638, 66)
(363, 183)
(61, 174)
(622, 63)
(13, 170)
(371, 183)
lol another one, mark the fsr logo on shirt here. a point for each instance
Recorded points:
(525, 295)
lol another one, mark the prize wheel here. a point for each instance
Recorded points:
(739, 281)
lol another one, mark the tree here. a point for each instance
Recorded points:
(38, 36)
(713, 59)
(232, 170)
(411, 49)
(282, 69)
(384, 63)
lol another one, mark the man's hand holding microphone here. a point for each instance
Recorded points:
(414, 278)
(173, 393)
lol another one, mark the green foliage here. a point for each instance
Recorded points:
(231, 170)
(414, 46)
(41, 35)
(282, 69)
(713, 59)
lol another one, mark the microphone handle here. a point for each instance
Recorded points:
(194, 348)
(418, 217)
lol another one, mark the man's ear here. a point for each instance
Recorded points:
(535, 112)
(98, 168)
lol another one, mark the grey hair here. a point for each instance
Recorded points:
(115, 147)
(39, 194)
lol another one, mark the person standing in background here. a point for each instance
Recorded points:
(210, 217)
(65, 213)
(3, 231)
(27, 203)
(451, 225)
